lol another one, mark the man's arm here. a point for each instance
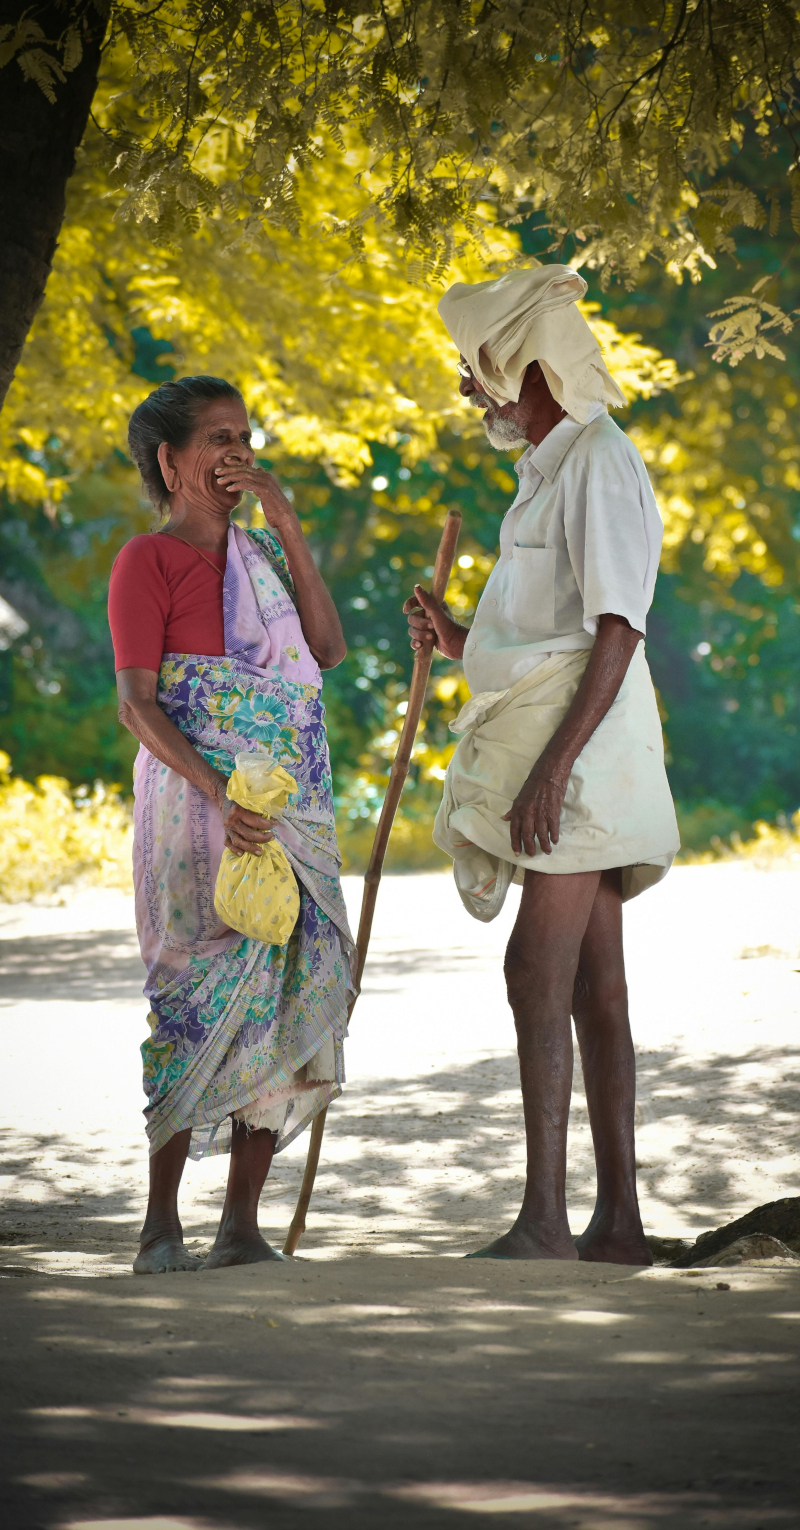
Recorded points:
(536, 810)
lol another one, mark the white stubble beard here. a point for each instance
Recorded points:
(502, 434)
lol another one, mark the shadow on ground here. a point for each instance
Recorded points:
(398, 1393)
(96, 965)
(85, 967)
(423, 1165)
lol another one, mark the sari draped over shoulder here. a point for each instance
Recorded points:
(239, 1027)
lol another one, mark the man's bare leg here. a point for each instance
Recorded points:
(161, 1248)
(540, 967)
(600, 1009)
(238, 1239)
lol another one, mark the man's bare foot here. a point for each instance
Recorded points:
(165, 1255)
(525, 1242)
(240, 1248)
(614, 1248)
(603, 1243)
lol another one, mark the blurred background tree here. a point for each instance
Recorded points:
(287, 226)
(619, 126)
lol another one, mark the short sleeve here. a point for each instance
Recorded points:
(138, 606)
(613, 532)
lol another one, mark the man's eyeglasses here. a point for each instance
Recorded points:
(463, 369)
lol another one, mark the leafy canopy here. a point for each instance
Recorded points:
(271, 193)
(331, 355)
(259, 184)
(618, 123)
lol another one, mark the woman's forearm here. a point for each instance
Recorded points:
(139, 712)
(147, 722)
(319, 618)
(614, 647)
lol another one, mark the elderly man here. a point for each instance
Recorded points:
(558, 779)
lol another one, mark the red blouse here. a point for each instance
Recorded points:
(164, 598)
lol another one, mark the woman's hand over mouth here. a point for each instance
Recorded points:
(239, 478)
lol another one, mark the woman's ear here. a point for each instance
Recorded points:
(169, 472)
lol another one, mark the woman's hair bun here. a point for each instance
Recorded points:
(170, 414)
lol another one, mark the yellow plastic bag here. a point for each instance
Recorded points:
(258, 894)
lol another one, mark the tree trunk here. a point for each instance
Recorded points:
(38, 140)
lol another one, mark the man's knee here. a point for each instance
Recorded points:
(534, 976)
(601, 995)
(522, 978)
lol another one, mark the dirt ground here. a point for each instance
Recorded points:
(424, 1152)
(428, 1393)
(375, 1380)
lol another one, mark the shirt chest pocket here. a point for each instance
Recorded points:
(533, 590)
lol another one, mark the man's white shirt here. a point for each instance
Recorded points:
(583, 537)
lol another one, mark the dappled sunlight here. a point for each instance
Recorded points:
(392, 1391)
(54, 1481)
(229, 1423)
(154, 1522)
(583, 1510)
(592, 1317)
(560, 1504)
(306, 1489)
(424, 1154)
(650, 1357)
(423, 1165)
(60, 1413)
(84, 967)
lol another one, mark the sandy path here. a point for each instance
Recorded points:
(424, 1153)
(398, 1393)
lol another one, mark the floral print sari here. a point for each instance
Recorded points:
(236, 1024)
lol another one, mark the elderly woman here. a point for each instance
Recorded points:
(219, 637)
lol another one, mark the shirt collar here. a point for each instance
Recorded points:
(546, 458)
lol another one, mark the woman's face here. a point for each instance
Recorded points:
(221, 437)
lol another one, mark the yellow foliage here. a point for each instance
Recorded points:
(639, 370)
(331, 352)
(410, 846)
(620, 125)
(701, 495)
(771, 844)
(51, 835)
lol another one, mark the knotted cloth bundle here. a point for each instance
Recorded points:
(258, 894)
(501, 326)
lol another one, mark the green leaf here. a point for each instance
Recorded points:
(73, 50)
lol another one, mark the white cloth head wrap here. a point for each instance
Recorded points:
(501, 326)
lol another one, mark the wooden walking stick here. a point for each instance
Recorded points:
(416, 697)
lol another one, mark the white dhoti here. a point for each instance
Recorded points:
(618, 809)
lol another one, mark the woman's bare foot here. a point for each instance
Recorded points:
(238, 1239)
(603, 1242)
(240, 1248)
(161, 1246)
(528, 1241)
(164, 1255)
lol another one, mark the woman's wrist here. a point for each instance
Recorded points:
(217, 787)
(281, 518)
